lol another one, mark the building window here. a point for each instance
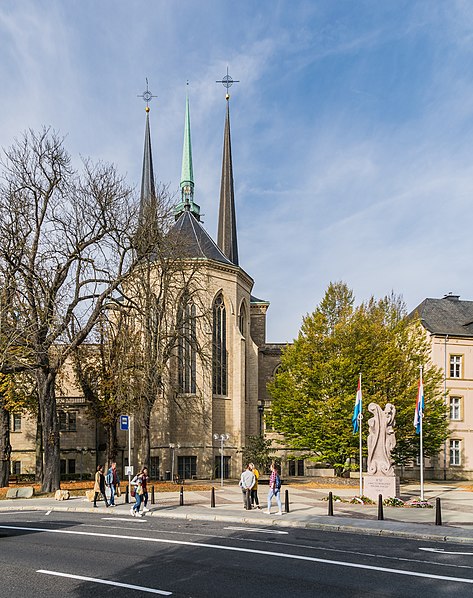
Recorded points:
(62, 469)
(16, 422)
(296, 467)
(242, 320)
(187, 350)
(154, 468)
(186, 467)
(67, 421)
(219, 345)
(455, 452)
(16, 467)
(71, 466)
(218, 467)
(455, 366)
(455, 408)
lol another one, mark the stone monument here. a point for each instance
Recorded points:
(380, 477)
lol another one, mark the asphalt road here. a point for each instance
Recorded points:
(80, 554)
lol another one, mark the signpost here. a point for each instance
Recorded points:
(125, 425)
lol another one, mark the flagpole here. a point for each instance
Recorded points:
(421, 451)
(360, 417)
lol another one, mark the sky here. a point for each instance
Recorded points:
(352, 127)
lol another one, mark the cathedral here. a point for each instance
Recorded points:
(230, 388)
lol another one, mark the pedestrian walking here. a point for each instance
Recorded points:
(254, 490)
(140, 482)
(99, 485)
(113, 482)
(274, 489)
(247, 481)
(144, 483)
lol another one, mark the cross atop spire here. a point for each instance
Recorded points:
(147, 96)
(227, 82)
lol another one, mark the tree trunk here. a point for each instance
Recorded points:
(46, 379)
(144, 420)
(5, 446)
(39, 448)
(112, 442)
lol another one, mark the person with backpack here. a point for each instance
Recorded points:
(274, 489)
(113, 482)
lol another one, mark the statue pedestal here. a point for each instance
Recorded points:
(388, 486)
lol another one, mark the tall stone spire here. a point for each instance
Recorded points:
(147, 217)
(187, 173)
(227, 232)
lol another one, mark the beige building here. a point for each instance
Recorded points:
(449, 325)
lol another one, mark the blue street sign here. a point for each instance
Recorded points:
(124, 422)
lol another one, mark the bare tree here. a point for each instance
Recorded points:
(104, 372)
(65, 247)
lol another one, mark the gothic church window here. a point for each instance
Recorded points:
(187, 351)
(242, 319)
(219, 361)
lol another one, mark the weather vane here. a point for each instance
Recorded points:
(227, 82)
(147, 96)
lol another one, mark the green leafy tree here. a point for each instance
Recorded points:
(314, 390)
(258, 451)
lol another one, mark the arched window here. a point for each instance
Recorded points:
(242, 320)
(219, 345)
(187, 350)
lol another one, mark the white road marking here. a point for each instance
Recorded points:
(105, 582)
(48, 512)
(443, 551)
(283, 555)
(256, 529)
(123, 519)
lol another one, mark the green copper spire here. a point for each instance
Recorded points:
(187, 172)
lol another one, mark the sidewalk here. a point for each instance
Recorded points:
(307, 509)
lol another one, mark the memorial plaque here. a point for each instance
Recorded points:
(388, 486)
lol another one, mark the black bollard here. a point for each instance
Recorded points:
(248, 499)
(152, 495)
(181, 496)
(438, 512)
(330, 503)
(380, 508)
(212, 497)
(286, 501)
(127, 495)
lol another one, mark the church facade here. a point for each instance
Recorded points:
(220, 401)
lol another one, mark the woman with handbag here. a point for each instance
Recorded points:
(139, 489)
(99, 485)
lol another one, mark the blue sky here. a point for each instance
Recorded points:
(351, 127)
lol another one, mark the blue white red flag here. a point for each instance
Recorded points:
(419, 406)
(357, 410)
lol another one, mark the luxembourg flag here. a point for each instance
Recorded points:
(357, 410)
(419, 406)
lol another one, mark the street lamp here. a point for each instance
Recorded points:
(260, 411)
(173, 446)
(222, 438)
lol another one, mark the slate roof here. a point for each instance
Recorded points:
(446, 316)
(196, 241)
